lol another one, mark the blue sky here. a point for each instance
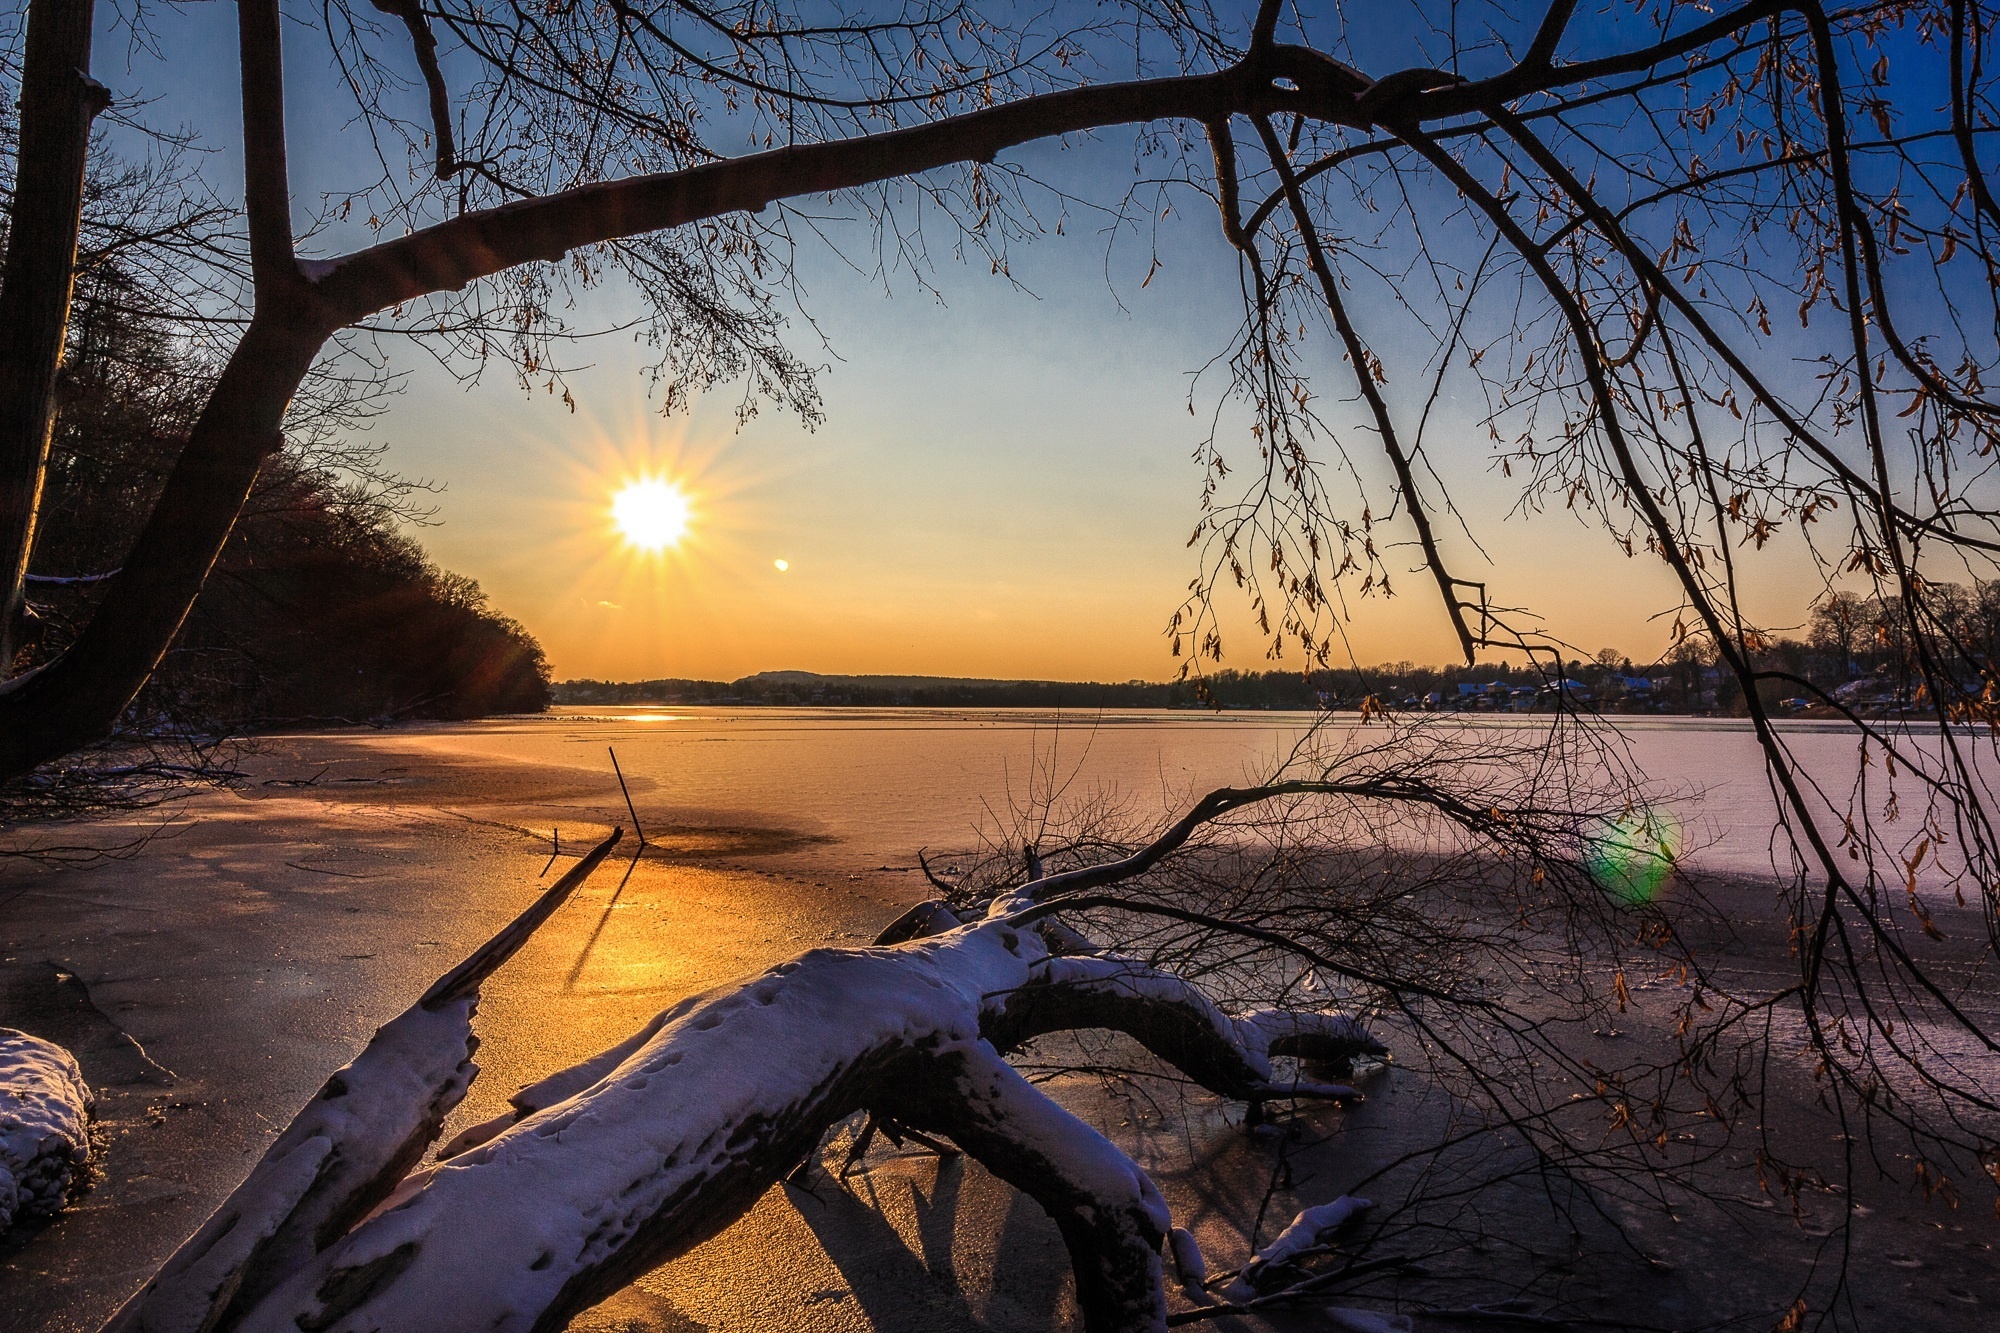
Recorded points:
(1002, 486)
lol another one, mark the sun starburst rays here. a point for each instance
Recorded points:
(651, 513)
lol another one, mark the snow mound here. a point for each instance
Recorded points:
(45, 1111)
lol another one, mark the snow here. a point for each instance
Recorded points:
(1188, 1260)
(319, 270)
(1308, 1230)
(498, 1231)
(367, 1118)
(45, 1111)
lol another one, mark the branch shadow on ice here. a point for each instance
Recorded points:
(871, 1255)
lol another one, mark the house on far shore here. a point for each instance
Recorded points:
(1565, 692)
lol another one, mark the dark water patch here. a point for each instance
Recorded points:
(705, 843)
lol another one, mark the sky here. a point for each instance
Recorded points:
(1002, 487)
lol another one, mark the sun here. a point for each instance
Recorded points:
(652, 514)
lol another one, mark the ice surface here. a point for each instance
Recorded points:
(916, 777)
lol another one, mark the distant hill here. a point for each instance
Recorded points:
(815, 680)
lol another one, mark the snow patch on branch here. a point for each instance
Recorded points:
(346, 1148)
(566, 1083)
(1254, 1038)
(1308, 1231)
(1078, 1155)
(1312, 1034)
(204, 1273)
(1111, 1215)
(1189, 1263)
(319, 270)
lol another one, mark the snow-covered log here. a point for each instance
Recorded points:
(1107, 1208)
(566, 1083)
(933, 916)
(1230, 1056)
(1190, 1265)
(45, 1111)
(345, 1152)
(600, 1172)
(678, 1140)
(635, 1156)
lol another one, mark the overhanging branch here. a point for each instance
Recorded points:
(425, 43)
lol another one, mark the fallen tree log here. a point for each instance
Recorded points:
(587, 1188)
(603, 1171)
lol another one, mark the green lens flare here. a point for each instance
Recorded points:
(1631, 856)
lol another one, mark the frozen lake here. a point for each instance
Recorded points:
(886, 782)
(210, 981)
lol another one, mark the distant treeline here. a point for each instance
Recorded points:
(1227, 689)
(320, 609)
(1853, 656)
(838, 692)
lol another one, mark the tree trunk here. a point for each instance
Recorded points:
(75, 699)
(59, 100)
